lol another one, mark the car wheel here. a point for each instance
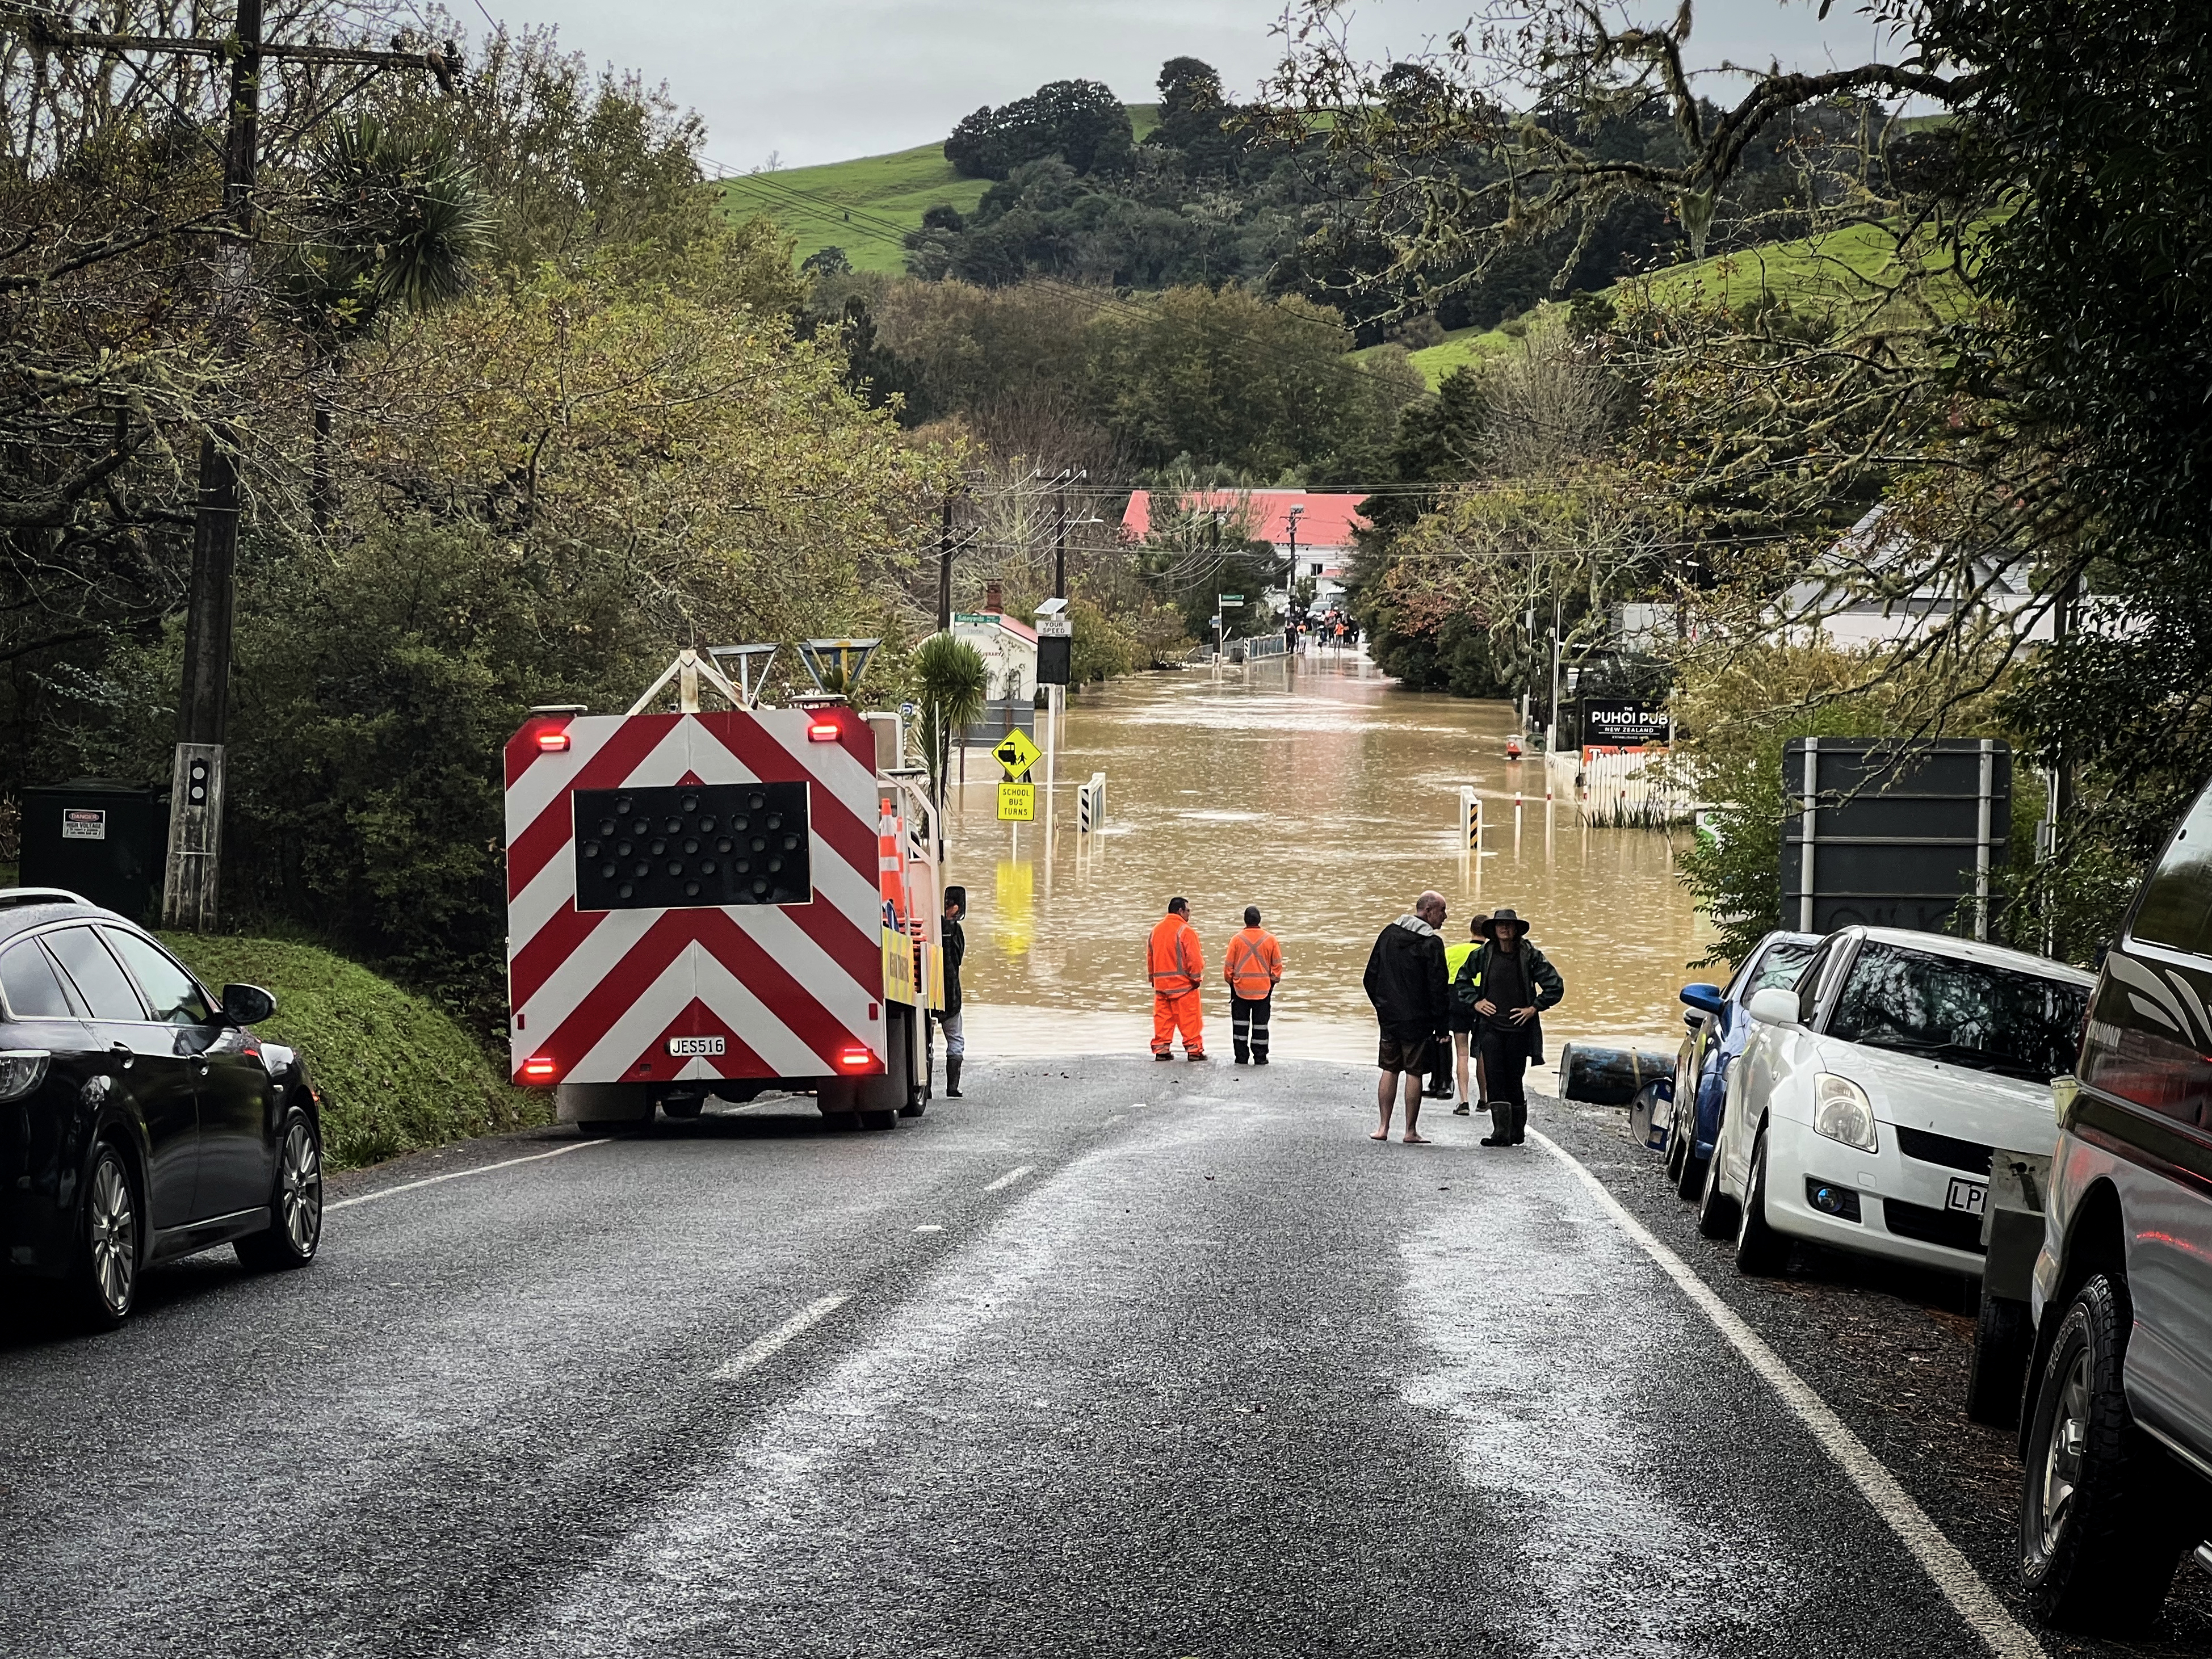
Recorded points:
(2099, 1529)
(295, 1206)
(2004, 1338)
(1715, 1209)
(883, 1120)
(1678, 1146)
(104, 1282)
(1642, 1111)
(1761, 1252)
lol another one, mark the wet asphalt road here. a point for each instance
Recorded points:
(1109, 1357)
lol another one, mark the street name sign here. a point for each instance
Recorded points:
(1017, 754)
(1017, 803)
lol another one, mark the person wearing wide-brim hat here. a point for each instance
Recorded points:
(1510, 984)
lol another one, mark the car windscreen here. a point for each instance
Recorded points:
(1784, 961)
(1965, 1013)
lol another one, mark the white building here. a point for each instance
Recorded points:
(1841, 611)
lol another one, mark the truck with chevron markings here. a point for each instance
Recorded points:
(709, 904)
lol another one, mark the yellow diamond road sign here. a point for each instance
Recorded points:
(1017, 754)
(1017, 803)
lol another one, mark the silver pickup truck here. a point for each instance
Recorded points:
(2116, 1424)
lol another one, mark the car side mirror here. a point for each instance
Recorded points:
(2065, 1093)
(1705, 998)
(246, 1004)
(1773, 1007)
(1694, 1020)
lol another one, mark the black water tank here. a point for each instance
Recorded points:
(102, 838)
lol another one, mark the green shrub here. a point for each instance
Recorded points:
(396, 1073)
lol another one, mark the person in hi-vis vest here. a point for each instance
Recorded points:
(1253, 966)
(1177, 964)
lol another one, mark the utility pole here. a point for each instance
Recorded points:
(1552, 731)
(944, 570)
(191, 877)
(1059, 540)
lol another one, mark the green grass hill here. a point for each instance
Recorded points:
(396, 1073)
(1798, 272)
(813, 203)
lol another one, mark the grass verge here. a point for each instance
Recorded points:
(396, 1073)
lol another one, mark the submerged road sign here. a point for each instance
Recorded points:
(1017, 803)
(1017, 754)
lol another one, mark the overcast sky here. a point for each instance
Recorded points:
(827, 80)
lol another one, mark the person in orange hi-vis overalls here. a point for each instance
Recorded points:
(1176, 962)
(1253, 967)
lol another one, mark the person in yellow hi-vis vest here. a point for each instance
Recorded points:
(1176, 963)
(1253, 966)
(1463, 1017)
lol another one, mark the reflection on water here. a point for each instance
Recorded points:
(1328, 796)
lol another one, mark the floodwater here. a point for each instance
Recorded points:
(1324, 794)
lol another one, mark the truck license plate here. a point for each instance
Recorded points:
(712, 1045)
(1971, 1196)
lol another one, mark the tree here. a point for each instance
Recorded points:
(953, 682)
(1081, 122)
(1263, 388)
(393, 219)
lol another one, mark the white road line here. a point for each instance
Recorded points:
(797, 1326)
(456, 1174)
(1009, 1177)
(1963, 1587)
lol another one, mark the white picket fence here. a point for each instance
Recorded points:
(1623, 792)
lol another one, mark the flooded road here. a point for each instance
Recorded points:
(1328, 796)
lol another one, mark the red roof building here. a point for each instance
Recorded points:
(1324, 522)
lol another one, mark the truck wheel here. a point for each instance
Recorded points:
(879, 1119)
(1715, 1209)
(2099, 1535)
(1761, 1252)
(2003, 1339)
(680, 1109)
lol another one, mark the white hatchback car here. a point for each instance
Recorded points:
(1870, 1097)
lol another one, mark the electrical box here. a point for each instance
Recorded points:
(103, 839)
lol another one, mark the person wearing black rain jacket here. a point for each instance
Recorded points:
(1512, 984)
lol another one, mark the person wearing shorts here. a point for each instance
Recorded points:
(1405, 981)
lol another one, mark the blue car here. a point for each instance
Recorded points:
(1719, 1029)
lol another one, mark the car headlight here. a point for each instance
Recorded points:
(21, 1070)
(1842, 1112)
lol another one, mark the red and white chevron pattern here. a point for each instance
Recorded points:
(793, 990)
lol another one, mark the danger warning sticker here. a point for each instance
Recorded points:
(84, 823)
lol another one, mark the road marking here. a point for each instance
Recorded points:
(930, 1227)
(456, 1174)
(1009, 1178)
(1965, 1589)
(766, 1348)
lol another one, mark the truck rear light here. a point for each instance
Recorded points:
(539, 1068)
(824, 732)
(552, 743)
(854, 1058)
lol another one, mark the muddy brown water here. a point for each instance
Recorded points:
(1326, 795)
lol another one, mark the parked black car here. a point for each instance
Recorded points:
(140, 1118)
